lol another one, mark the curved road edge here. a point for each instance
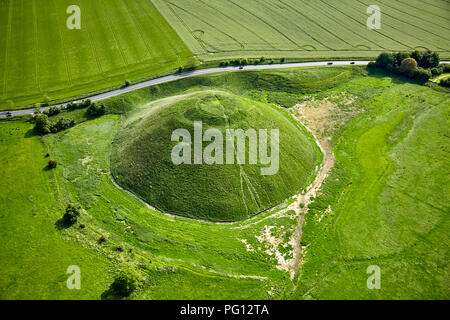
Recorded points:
(149, 83)
(153, 82)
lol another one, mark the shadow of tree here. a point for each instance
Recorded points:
(396, 78)
(63, 223)
(111, 294)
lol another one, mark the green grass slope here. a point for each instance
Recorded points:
(142, 162)
(218, 29)
(40, 58)
(35, 255)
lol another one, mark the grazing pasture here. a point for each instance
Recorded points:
(41, 59)
(383, 203)
(217, 29)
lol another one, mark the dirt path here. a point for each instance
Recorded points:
(300, 206)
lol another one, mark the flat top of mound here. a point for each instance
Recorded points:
(142, 159)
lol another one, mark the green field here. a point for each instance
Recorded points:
(326, 29)
(41, 59)
(384, 202)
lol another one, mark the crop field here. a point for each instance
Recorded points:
(42, 60)
(383, 200)
(217, 29)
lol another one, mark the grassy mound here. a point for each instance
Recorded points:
(142, 163)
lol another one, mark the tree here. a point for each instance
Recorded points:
(125, 282)
(42, 124)
(385, 59)
(408, 66)
(418, 56)
(94, 110)
(72, 213)
(399, 57)
(430, 60)
(422, 74)
(52, 163)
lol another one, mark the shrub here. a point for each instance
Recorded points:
(42, 124)
(127, 83)
(445, 67)
(62, 124)
(445, 83)
(72, 213)
(408, 66)
(52, 163)
(94, 110)
(385, 59)
(282, 60)
(103, 238)
(430, 60)
(437, 71)
(125, 282)
(372, 65)
(422, 74)
(53, 111)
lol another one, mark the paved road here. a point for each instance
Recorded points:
(153, 82)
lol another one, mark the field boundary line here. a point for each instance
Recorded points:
(138, 26)
(273, 28)
(36, 47)
(207, 23)
(114, 34)
(314, 22)
(402, 30)
(359, 22)
(241, 25)
(422, 9)
(395, 9)
(62, 44)
(8, 35)
(93, 48)
(331, 17)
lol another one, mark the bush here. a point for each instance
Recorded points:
(94, 110)
(52, 163)
(103, 238)
(42, 124)
(437, 71)
(445, 67)
(430, 60)
(408, 66)
(422, 74)
(385, 59)
(53, 111)
(62, 124)
(445, 83)
(72, 213)
(282, 60)
(372, 65)
(128, 83)
(125, 282)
